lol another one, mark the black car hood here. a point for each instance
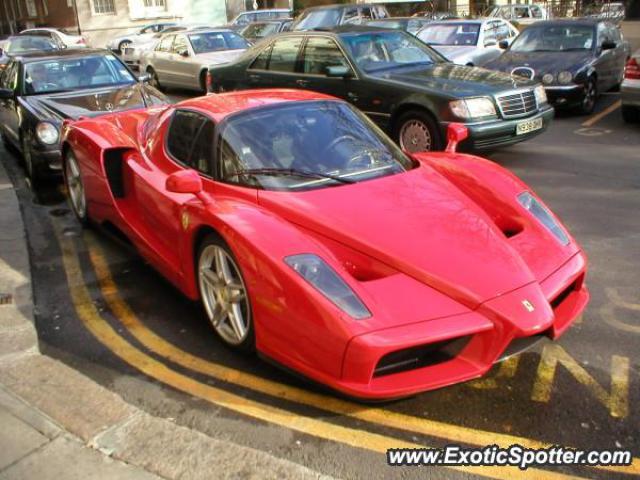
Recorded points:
(87, 102)
(542, 62)
(454, 80)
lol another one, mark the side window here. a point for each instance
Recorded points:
(10, 76)
(320, 53)
(522, 12)
(262, 61)
(202, 155)
(602, 33)
(350, 16)
(180, 45)
(489, 34)
(535, 11)
(165, 44)
(183, 129)
(284, 54)
(366, 13)
(503, 32)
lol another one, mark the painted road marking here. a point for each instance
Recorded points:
(157, 344)
(599, 116)
(105, 334)
(616, 301)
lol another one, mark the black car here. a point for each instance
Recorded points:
(39, 90)
(574, 59)
(408, 24)
(256, 31)
(404, 85)
(18, 45)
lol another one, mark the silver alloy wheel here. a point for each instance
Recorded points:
(415, 136)
(155, 81)
(123, 45)
(588, 103)
(223, 294)
(75, 186)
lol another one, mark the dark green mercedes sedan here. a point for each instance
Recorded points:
(405, 86)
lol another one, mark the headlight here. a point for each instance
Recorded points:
(541, 94)
(315, 271)
(47, 133)
(533, 206)
(473, 108)
(548, 78)
(565, 77)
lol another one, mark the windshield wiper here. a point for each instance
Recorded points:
(289, 172)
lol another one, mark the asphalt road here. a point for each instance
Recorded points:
(102, 310)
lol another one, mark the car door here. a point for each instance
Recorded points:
(183, 68)
(161, 58)
(619, 55)
(281, 68)
(605, 60)
(9, 116)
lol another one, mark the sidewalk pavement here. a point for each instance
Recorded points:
(57, 424)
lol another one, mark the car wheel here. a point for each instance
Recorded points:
(75, 187)
(417, 131)
(203, 81)
(33, 170)
(122, 45)
(630, 114)
(224, 294)
(590, 97)
(154, 81)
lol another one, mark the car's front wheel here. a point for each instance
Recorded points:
(154, 80)
(224, 294)
(590, 97)
(75, 187)
(417, 131)
(122, 45)
(32, 167)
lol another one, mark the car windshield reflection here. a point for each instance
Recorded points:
(305, 145)
(554, 38)
(216, 41)
(451, 34)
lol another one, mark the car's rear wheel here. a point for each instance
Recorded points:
(75, 186)
(417, 131)
(590, 97)
(154, 80)
(630, 114)
(224, 294)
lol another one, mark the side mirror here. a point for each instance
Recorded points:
(144, 78)
(183, 53)
(184, 181)
(608, 45)
(6, 93)
(456, 133)
(338, 71)
(504, 44)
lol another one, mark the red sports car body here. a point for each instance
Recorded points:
(380, 275)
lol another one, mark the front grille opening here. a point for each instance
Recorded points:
(508, 227)
(517, 104)
(519, 345)
(562, 296)
(420, 356)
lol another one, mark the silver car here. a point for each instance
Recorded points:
(630, 90)
(469, 42)
(183, 59)
(119, 43)
(132, 52)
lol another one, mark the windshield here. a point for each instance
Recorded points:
(554, 38)
(318, 19)
(17, 45)
(450, 34)
(216, 41)
(67, 74)
(260, 30)
(305, 145)
(386, 50)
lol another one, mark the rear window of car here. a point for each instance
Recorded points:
(216, 41)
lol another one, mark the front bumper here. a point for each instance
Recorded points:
(47, 160)
(564, 96)
(492, 332)
(630, 93)
(500, 133)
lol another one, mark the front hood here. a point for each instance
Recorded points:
(87, 102)
(419, 224)
(454, 52)
(217, 58)
(542, 62)
(455, 80)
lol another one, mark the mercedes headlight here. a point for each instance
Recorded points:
(565, 77)
(322, 277)
(473, 107)
(47, 133)
(548, 78)
(543, 215)
(541, 94)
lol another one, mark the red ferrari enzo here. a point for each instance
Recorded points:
(309, 236)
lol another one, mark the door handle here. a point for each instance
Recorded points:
(302, 83)
(254, 78)
(352, 96)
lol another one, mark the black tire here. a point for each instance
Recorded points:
(630, 114)
(420, 123)
(247, 343)
(154, 80)
(590, 98)
(33, 170)
(82, 214)
(203, 82)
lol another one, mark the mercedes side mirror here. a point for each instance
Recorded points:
(6, 93)
(183, 53)
(338, 71)
(456, 133)
(184, 181)
(503, 44)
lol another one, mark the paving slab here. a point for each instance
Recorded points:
(17, 439)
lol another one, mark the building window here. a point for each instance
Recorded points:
(70, 3)
(154, 3)
(31, 8)
(103, 6)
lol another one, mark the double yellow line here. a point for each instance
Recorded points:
(312, 426)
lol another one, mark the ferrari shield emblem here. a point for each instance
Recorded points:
(528, 305)
(184, 219)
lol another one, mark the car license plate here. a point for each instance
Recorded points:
(530, 126)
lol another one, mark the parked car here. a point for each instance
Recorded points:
(405, 86)
(408, 24)
(576, 60)
(256, 31)
(119, 43)
(262, 15)
(520, 14)
(61, 38)
(430, 14)
(469, 42)
(307, 235)
(39, 90)
(21, 44)
(330, 16)
(630, 90)
(132, 53)
(612, 11)
(182, 59)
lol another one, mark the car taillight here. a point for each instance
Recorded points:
(632, 70)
